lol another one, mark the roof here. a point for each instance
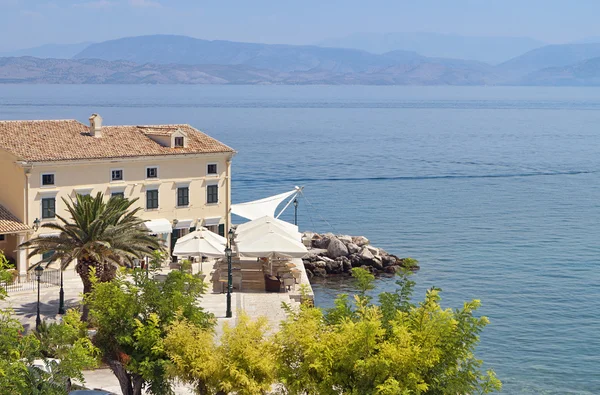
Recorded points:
(9, 223)
(56, 140)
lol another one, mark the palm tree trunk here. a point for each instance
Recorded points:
(84, 269)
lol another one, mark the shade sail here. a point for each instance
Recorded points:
(207, 234)
(198, 246)
(159, 226)
(262, 207)
(183, 224)
(272, 244)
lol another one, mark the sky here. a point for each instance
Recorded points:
(28, 23)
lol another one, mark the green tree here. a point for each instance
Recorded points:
(396, 348)
(132, 315)
(100, 235)
(243, 363)
(42, 363)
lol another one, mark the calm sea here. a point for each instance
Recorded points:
(494, 190)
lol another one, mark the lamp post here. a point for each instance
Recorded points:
(61, 294)
(295, 211)
(38, 273)
(228, 313)
(36, 224)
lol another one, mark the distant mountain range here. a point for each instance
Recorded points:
(163, 59)
(55, 51)
(491, 50)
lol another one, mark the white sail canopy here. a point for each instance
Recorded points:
(258, 231)
(272, 244)
(262, 207)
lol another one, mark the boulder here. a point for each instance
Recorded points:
(355, 260)
(319, 264)
(334, 267)
(336, 248)
(376, 263)
(309, 274)
(314, 253)
(345, 239)
(374, 250)
(360, 241)
(392, 269)
(325, 259)
(320, 272)
(388, 260)
(352, 248)
(320, 242)
(365, 254)
(308, 265)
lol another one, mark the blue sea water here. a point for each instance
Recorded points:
(495, 190)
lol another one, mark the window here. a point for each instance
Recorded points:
(2, 237)
(116, 175)
(47, 255)
(212, 194)
(222, 230)
(151, 172)
(211, 168)
(183, 196)
(179, 141)
(117, 194)
(48, 207)
(47, 179)
(152, 199)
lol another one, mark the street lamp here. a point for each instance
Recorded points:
(36, 224)
(61, 294)
(228, 314)
(38, 273)
(295, 211)
(229, 281)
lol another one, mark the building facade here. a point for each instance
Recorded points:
(180, 177)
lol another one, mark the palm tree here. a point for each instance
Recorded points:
(100, 235)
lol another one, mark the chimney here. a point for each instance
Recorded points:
(96, 125)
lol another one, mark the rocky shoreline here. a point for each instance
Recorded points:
(330, 254)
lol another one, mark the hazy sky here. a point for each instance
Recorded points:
(25, 23)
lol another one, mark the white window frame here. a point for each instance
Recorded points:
(157, 173)
(218, 194)
(212, 174)
(122, 175)
(42, 179)
(177, 187)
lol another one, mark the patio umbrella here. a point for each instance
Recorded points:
(266, 219)
(207, 234)
(272, 244)
(259, 230)
(198, 245)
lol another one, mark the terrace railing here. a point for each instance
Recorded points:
(50, 278)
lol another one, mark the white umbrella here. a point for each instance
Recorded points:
(272, 244)
(205, 233)
(198, 245)
(258, 231)
(266, 219)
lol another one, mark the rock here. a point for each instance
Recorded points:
(388, 260)
(355, 260)
(374, 250)
(345, 239)
(360, 241)
(325, 259)
(313, 253)
(352, 248)
(334, 267)
(309, 265)
(320, 272)
(365, 254)
(393, 269)
(320, 242)
(347, 266)
(309, 274)
(319, 264)
(336, 248)
(376, 263)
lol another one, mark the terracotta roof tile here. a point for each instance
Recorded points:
(70, 140)
(9, 223)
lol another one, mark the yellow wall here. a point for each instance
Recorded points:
(12, 185)
(96, 177)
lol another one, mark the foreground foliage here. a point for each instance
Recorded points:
(132, 316)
